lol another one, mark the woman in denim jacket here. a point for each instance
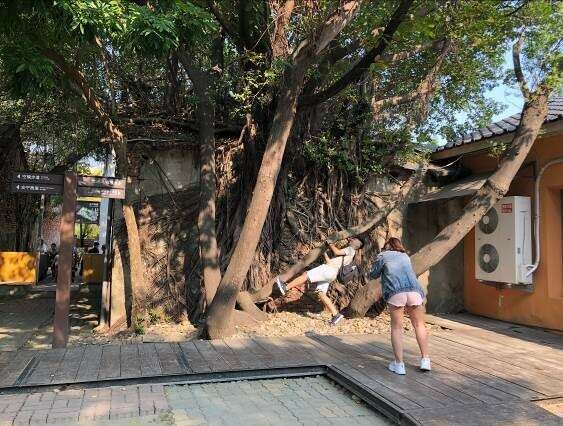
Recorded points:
(401, 291)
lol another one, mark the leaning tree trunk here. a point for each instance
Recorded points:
(533, 115)
(219, 314)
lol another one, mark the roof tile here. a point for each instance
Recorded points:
(506, 125)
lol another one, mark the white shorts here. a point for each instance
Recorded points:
(321, 277)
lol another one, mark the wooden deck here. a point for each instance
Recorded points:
(484, 371)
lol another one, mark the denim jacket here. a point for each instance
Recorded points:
(397, 275)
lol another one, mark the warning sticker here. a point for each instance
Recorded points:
(506, 208)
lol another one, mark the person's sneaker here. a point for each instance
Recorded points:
(336, 319)
(281, 286)
(425, 364)
(397, 367)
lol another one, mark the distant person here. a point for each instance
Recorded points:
(321, 276)
(43, 249)
(95, 248)
(402, 292)
(54, 259)
(104, 248)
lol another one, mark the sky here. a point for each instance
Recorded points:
(509, 97)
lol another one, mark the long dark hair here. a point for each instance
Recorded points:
(394, 244)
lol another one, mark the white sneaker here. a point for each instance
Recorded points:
(397, 367)
(425, 364)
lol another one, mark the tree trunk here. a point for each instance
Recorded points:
(203, 82)
(138, 284)
(533, 115)
(219, 315)
(219, 322)
(120, 145)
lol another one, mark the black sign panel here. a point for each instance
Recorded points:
(88, 212)
(86, 191)
(36, 188)
(101, 182)
(42, 178)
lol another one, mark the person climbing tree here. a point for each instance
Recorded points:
(320, 277)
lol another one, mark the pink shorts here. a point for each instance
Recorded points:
(406, 298)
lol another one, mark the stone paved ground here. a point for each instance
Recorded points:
(296, 401)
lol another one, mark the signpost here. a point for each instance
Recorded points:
(36, 188)
(64, 275)
(70, 186)
(32, 177)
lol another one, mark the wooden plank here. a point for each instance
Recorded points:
(196, 362)
(90, 364)
(283, 353)
(358, 372)
(69, 366)
(548, 362)
(110, 364)
(16, 367)
(46, 368)
(482, 377)
(130, 361)
(167, 359)
(408, 386)
(6, 357)
(242, 362)
(150, 365)
(535, 381)
(488, 326)
(514, 413)
(245, 349)
(467, 390)
(211, 356)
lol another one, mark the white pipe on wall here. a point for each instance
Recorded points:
(532, 268)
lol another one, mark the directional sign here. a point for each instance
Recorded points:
(31, 177)
(36, 188)
(101, 182)
(88, 212)
(87, 191)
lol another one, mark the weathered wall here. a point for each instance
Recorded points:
(544, 305)
(444, 281)
(165, 185)
(175, 167)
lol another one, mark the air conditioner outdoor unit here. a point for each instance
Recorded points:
(503, 242)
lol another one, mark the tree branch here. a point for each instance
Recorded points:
(518, 67)
(425, 87)
(363, 64)
(280, 46)
(226, 25)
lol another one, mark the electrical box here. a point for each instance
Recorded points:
(503, 242)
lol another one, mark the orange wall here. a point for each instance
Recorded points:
(17, 267)
(544, 305)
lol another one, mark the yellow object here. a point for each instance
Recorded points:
(92, 267)
(18, 267)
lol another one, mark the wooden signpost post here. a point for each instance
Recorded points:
(71, 187)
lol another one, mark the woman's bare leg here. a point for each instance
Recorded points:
(300, 280)
(397, 331)
(416, 314)
(325, 300)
